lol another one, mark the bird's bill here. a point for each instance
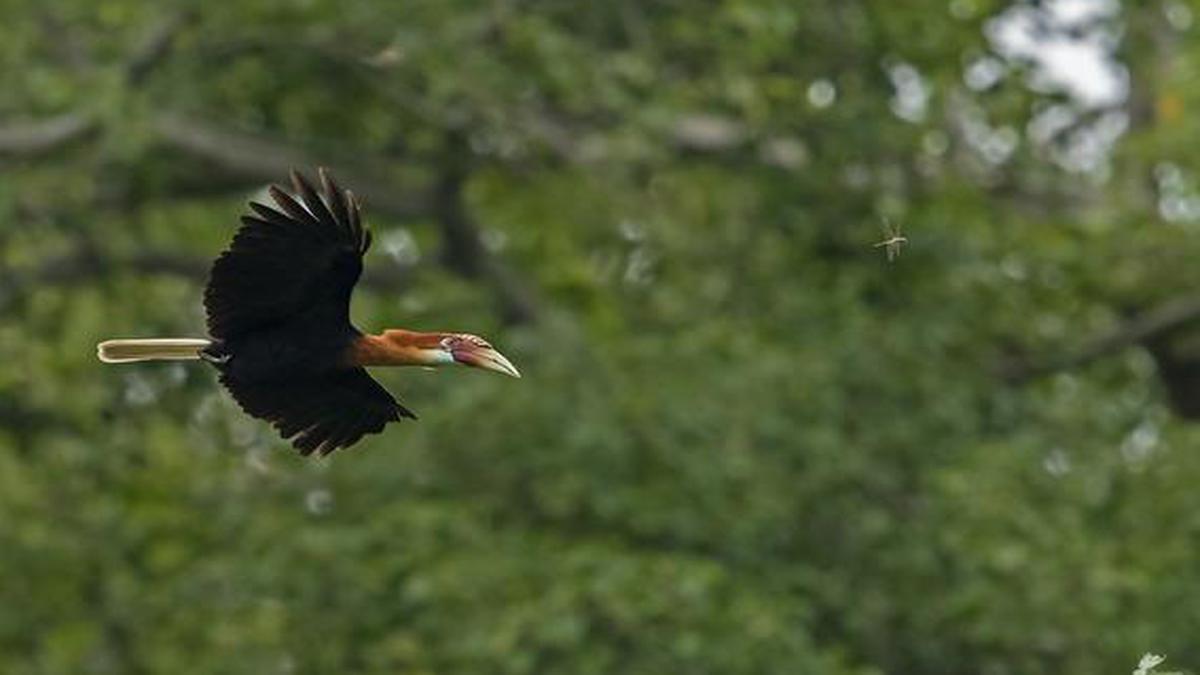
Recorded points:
(486, 358)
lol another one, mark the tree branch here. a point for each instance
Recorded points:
(83, 264)
(1157, 322)
(266, 159)
(257, 157)
(463, 249)
(41, 136)
(157, 45)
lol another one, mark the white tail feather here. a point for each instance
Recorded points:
(151, 349)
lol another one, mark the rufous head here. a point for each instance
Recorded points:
(439, 349)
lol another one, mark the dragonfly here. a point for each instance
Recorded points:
(894, 240)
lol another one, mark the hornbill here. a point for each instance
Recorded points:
(278, 310)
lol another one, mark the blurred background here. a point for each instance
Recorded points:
(745, 442)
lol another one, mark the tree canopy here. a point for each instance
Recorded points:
(745, 441)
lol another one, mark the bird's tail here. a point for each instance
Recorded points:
(151, 349)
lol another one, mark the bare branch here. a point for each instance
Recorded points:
(266, 159)
(157, 45)
(464, 250)
(83, 264)
(41, 136)
(1155, 323)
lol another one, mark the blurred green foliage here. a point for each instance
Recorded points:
(744, 443)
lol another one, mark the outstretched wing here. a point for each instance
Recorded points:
(320, 414)
(300, 258)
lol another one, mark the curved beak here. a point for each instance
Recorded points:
(486, 358)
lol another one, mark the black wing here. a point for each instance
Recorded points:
(323, 413)
(291, 260)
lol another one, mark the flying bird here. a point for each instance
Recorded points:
(280, 337)
(894, 240)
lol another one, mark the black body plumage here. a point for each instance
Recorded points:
(278, 306)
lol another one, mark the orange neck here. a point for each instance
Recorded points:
(391, 348)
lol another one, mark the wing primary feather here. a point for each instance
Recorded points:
(361, 427)
(308, 440)
(313, 201)
(342, 435)
(361, 234)
(339, 433)
(288, 429)
(271, 215)
(337, 201)
(293, 209)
